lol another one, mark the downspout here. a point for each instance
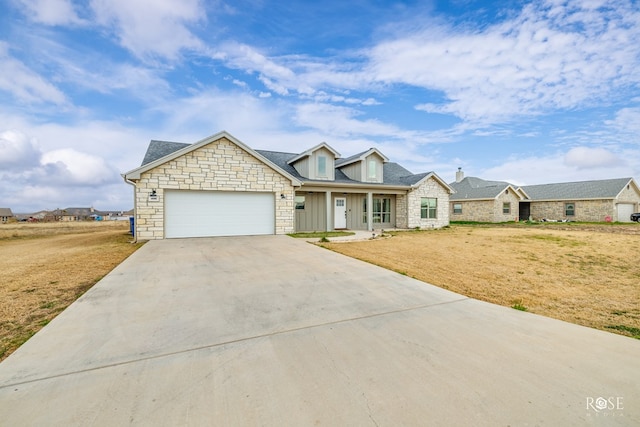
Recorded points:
(135, 208)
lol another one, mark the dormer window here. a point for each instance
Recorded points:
(322, 166)
(372, 169)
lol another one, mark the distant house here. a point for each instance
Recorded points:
(588, 201)
(74, 214)
(480, 200)
(6, 215)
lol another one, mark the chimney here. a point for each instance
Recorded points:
(459, 175)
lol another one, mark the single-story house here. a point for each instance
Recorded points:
(588, 201)
(74, 214)
(480, 200)
(6, 215)
(219, 186)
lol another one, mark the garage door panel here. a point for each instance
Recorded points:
(213, 213)
(624, 212)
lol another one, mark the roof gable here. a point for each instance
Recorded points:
(310, 151)
(187, 148)
(472, 188)
(361, 157)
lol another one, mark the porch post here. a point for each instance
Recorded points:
(370, 211)
(329, 206)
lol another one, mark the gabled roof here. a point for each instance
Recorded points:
(6, 212)
(160, 152)
(162, 147)
(472, 188)
(394, 174)
(600, 189)
(159, 149)
(360, 156)
(310, 151)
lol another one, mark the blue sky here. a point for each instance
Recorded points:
(527, 92)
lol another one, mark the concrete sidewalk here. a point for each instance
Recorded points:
(274, 331)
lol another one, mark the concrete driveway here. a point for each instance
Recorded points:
(274, 331)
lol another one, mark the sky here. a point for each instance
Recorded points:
(525, 92)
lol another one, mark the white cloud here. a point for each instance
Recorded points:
(80, 168)
(627, 120)
(554, 167)
(17, 151)
(151, 27)
(590, 158)
(51, 12)
(23, 83)
(548, 57)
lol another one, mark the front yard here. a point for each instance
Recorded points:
(582, 273)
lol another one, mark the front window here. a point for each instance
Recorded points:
(506, 208)
(322, 166)
(457, 208)
(300, 202)
(569, 209)
(428, 208)
(381, 210)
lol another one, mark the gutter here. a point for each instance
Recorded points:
(135, 207)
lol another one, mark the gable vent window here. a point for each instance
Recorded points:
(372, 169)
(322, 166)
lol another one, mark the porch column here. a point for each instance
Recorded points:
(370, 211)
(329, 206)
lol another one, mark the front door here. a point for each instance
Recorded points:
(340, 213)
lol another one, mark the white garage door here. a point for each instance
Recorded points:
(624, 212)
(214, 213)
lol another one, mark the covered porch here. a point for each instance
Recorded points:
(331, 209)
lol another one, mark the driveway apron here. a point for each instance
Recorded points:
(269, 330)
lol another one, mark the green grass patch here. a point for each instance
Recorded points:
(634, 332)
(321, 234)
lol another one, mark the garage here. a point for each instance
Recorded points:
(217, 213)
(624, 212)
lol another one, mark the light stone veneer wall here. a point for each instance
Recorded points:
(429, 188)
(220, 166)
(488, 210)
(586, 210)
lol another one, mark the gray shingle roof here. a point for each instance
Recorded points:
(158, 149)
(6, 212)
(601, 189)
(476, 188)
(393, 173)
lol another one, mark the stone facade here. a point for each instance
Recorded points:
(585, 210)
(488, 210)
(429, 188)
(218, 166)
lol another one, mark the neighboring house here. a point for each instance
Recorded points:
(589, 201)
(75, 214)
(6, 215)
(219, 187)
(479, 200)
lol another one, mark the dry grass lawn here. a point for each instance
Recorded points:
(580, 273)
(45, 267)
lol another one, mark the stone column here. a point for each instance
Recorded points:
(329, 209)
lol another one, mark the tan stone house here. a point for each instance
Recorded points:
(219, 186)
(480, 200)
(588, 201)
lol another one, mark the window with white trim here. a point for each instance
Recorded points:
(322, 166)
(428, 208)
